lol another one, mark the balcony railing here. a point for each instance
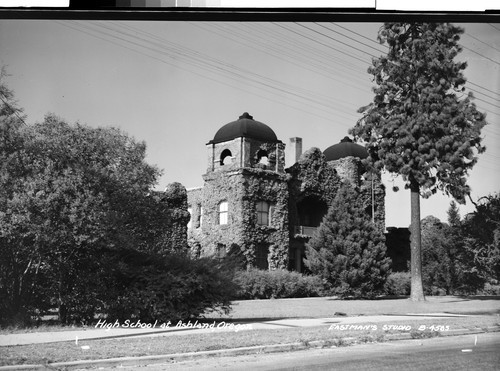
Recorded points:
(303, 230)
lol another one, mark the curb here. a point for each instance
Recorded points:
(276, 348)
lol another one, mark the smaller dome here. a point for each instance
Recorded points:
(345, 148)
(246, 127)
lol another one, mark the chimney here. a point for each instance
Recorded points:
(294, 151)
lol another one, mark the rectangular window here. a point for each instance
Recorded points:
(261, 257)
(220, 251)
(262, 213)
(200, 217)
(223, 212)
(190, 223)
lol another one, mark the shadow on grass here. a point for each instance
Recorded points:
(393, 297)
(243, 320)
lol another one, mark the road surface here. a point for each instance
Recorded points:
(470, 352)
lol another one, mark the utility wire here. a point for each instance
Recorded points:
(485, 57)
(180, 66)
(14, 111)
(350, 38)
(475, 38)
(495, 27)
(479, 86)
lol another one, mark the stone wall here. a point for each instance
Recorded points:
(172, 205)
(242, 189)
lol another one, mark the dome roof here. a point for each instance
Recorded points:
(343, 149)
(246, 127)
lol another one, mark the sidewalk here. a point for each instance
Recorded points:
(192, 327)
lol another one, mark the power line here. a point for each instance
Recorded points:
(203, 65)
(326, 45)
(495, 27)
(475, 38)
(350, 38)
(365, 37)
(485, 57)
(12, 109)
(479, 86)
(331, 38)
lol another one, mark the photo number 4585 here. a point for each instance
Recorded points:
(434, 328)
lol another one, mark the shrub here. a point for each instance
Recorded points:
(171, 287)
(348, 249)
(398, 284)
(491, 288)
(275, 284)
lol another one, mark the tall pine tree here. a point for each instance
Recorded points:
(348, 249)
(421, 125)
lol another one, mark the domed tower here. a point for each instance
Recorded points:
(245, 143)
(346, 158)
(243, 204)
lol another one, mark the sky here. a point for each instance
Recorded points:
(173, 84)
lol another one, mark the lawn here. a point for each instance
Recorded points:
(327, 307)
(487, 310)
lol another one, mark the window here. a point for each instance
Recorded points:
(190, 223)
(261, 257)
(223, 212)
(200, 217)
(220, 251)
(262, 157)
(263, 214)
(226, 157)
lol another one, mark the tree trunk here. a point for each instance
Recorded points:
(417, 288)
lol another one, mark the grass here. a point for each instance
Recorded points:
(127, 347)
(327, 307)
(489, 307)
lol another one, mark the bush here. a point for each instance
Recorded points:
(398, 284)
(491, 288)
(348, 250)
(172, 287)
(275, 284)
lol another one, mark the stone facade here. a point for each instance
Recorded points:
(252, 204)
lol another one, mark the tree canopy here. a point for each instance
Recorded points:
(421, 125)
(348, 249)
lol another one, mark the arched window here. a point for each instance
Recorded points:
(226, 157)
(223, 212)
(263, 215)
(262, 157)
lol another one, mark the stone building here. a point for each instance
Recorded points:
(265, 203)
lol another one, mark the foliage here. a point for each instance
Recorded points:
(168, 287)
(398, 284)
(419, 125)
(448, 265)
(348, 250)
(276, 284)
(482, 235)
(67, 193)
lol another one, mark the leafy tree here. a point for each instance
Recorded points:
(481, 230)
(453, 214)
(448, 264)
(348, 250)
(71, 190)
(420, 125)
(11, 141)
(438, 260)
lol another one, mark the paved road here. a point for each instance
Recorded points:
(450, 353)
